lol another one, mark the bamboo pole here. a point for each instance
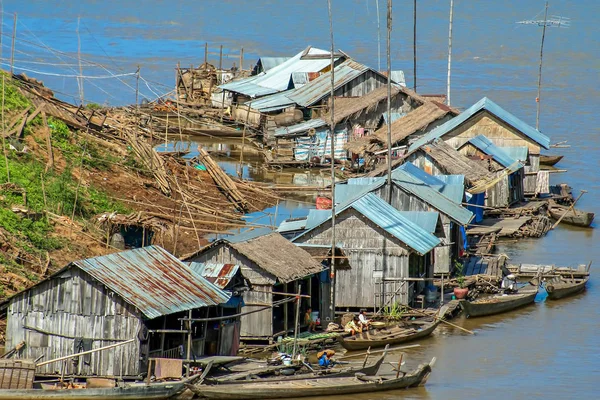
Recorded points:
(569, 209)
(297, 326)
(85, 352)
(399, 365)
(389, 102)
(332, 130)
(449, 50)
(442, 320)
(12, 52)
(3, 133)
(539, 88)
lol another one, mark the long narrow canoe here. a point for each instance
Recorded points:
(334, 372)
(558, 287)
(314, 387)
(573, 216)
(161, 390)
(546, 159)
(399, 334)
(497, 304)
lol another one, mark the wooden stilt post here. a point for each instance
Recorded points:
(297, 323)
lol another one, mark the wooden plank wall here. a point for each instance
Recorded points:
(494, 129)
(371, 254)
(530, 180)
(73, 305)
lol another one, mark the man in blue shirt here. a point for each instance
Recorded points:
(325, 360)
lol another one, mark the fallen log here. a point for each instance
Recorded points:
(223, 181)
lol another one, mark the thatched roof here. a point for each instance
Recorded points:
(415, 121)
(454, 163)
(279, 257)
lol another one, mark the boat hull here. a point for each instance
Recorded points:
(564, 289)
(550, 160)
(503, 304)
(361, 342)
(577, 218)
(137, 391)
(313, 387)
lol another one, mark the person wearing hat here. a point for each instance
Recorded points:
(324, 357)
(353, 326)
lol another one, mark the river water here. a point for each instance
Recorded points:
(548, 350)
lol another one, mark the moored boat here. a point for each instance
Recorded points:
(550, 160)
(499, 303)
(409, 331)
(572, 216)
(162, 390)
(326, 386)
(560, 287)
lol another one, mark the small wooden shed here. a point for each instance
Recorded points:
(135, 294)
(274, 267)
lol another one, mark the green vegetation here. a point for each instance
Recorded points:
(460, 277)
(394, 312)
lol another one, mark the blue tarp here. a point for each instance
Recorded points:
(478, 200)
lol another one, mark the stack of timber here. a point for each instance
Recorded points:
(225, 183)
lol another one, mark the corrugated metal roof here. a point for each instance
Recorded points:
(320, 87)
(519, 153)
(153, 281)
(493, 108)
(451, 186)
(391, 220)
(398, 77)
(316, 217)
(273, 102)
(296, 224)
(427, 220)
(431, 196)
(503, 158)
(301, 127)
(271, 62)
(278, 78)
(218, 274)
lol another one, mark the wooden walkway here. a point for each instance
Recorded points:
(486, 265)
(501, 226)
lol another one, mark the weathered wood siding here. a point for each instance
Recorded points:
(361, 85)
(372, 255)
(500, 133)
(74, 305)
(531, 170)
(425, 162)
(259, 324)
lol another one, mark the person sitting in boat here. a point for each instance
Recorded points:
(509, 280)
(353, 326)
(308, 320)
(362, 318)
(324, 357)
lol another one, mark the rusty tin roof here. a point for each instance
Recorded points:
(153, 280)
(218, 274)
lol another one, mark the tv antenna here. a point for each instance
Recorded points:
(552, 22)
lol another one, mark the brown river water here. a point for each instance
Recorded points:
(547, 350)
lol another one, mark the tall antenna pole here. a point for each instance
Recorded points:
(80, 79)
(332, 129)
(389, 100)
(415, 45)
(553, 22)
(449, 50)
(378, 38)
(12, 51)
(539, 91)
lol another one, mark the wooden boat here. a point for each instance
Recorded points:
(409, 331)
(325, 386)
(335, 372)
(573, 216)
(547, 159)
(499, 303)
(163, 390)
(559, 287)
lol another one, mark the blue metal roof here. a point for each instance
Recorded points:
(278, 78)
(485, 145)
(273, 102)
(316, 217)
(300, 128)
(297, 224)
(153, 281)
(248, 234)
(493, 108)
(427, 220)
(271, 62)
(519, 153)
(320, 87)
(431, 196)
(218, 274)
(389, 219)
(451, 186)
